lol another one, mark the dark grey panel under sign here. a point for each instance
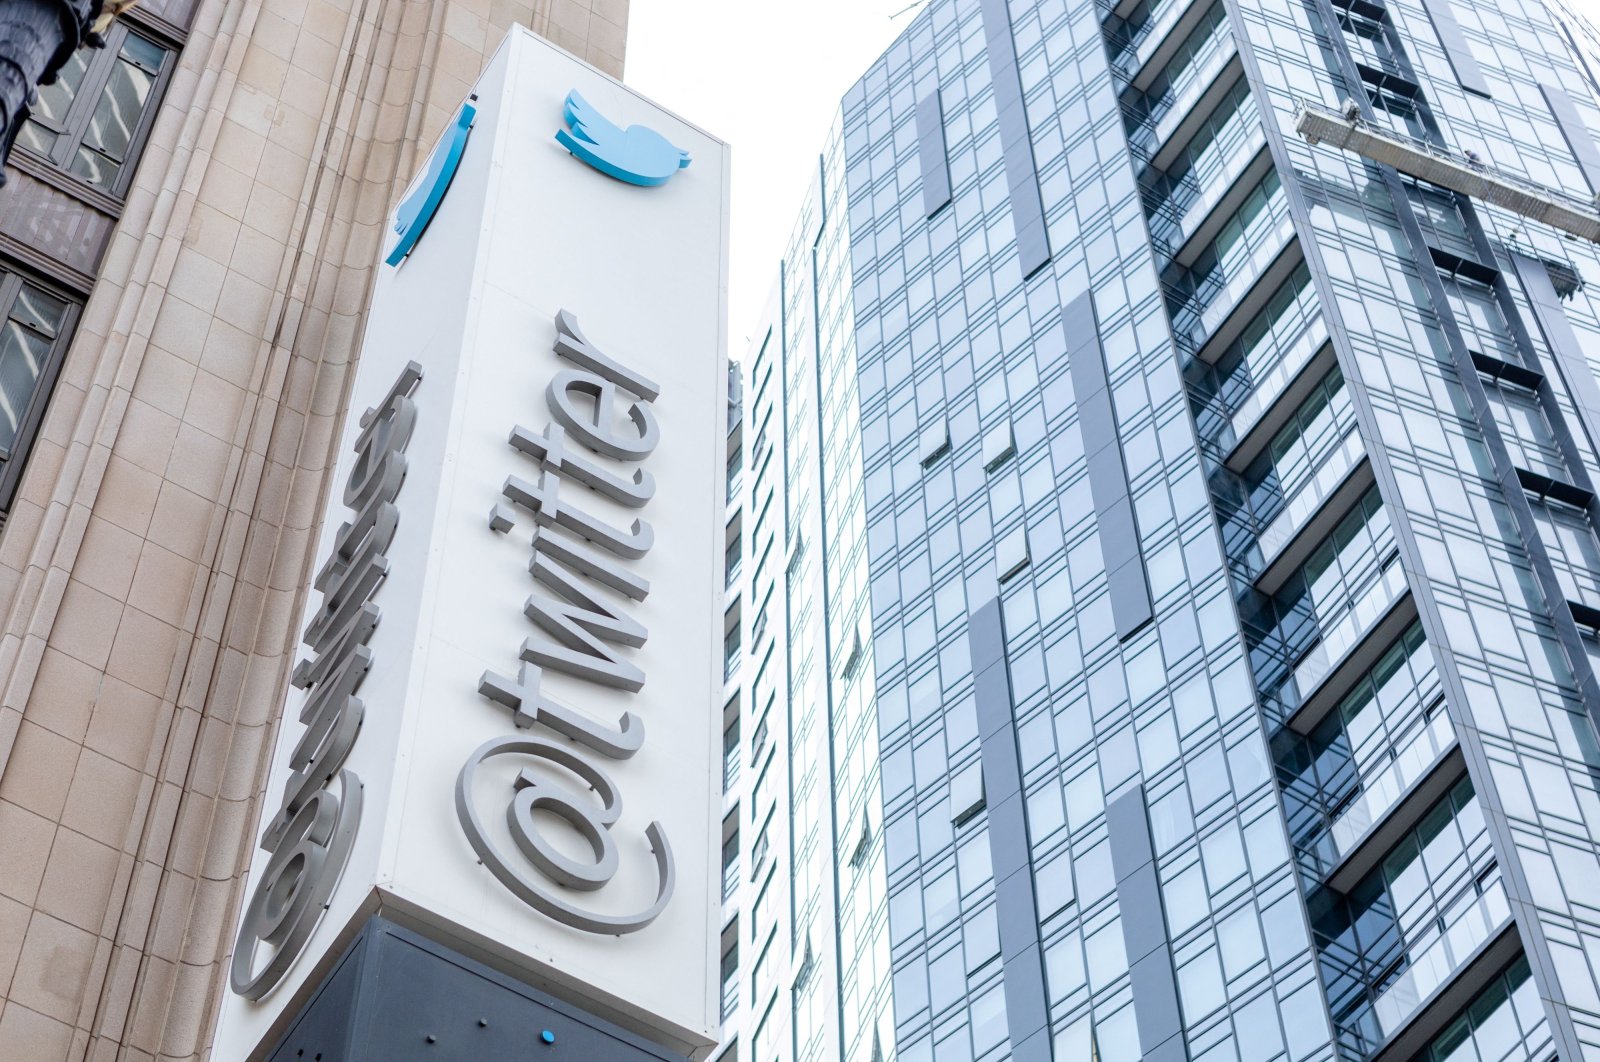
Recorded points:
(1456, 48)
(1108, 472)
(933, 154)
(1579, 137)
(396, 994)
(1021, 957)
(1016, 143)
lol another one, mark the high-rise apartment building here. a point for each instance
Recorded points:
(810, 974)
(1170, 584)
(189, 235)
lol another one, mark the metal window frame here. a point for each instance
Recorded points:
(75, 126)
(14, 464)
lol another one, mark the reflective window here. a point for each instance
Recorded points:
(34, 333)
(1349, 559)
(1424, 870)
(1505, 1017)
(1298, 450)
(90, 121)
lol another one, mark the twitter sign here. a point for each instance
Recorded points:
(529, 556)
(416, 210)
(637, 155)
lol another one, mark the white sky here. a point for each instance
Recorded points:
(767, 77)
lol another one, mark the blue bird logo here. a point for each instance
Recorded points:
(638, 155)
(416, 210)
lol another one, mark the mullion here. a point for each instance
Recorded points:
(83, 108)
(141, 131)
(10, 291)
(28, 424)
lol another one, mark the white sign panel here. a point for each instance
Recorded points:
(504, 723)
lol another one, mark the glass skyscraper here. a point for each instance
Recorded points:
(1170, 581)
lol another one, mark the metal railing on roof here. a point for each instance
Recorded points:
(1460, 172)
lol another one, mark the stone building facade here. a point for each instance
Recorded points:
(187, 240)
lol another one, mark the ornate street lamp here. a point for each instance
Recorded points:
(37, 37)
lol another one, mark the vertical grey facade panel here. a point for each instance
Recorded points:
(1002, 776)
(1579, 136)
(933, 154)
(1022, 958)
(1155, 999)
(1173, 1050)
(1016, 142)
(1144, 926)
(1456, 48)
(1563, 344)
(1008, 839)
(1108, 472)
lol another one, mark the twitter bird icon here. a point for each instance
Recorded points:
(416, 210)
(637, 154)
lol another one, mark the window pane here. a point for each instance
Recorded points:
(116, 116)
(22, 358)
(50, 113)
(39, 311)
(146, 54)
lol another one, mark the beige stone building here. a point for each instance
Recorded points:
(187, 242)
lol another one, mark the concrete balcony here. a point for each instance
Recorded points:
(1313, 511)
(1394, 800)
(1351, 646)
(1210, 346)
(1279, 392)
(1474, 927)
(1411, 1016)
(1157, 41)
(1159, 136)
(1207, 328)
(1181, 238)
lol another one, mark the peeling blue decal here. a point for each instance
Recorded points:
(638, 155)
(417, 209)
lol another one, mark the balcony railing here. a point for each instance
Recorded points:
(1385, 789)
(1311, 495)
(1153, 121)
(1135, 49)
(730, 880)
(1344, 635)
(1439, 961)
(730, 769)
(730, 997)
(1277, 379)
(1175, 222)
(1198, 314)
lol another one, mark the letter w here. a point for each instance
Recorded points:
(581, 629)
